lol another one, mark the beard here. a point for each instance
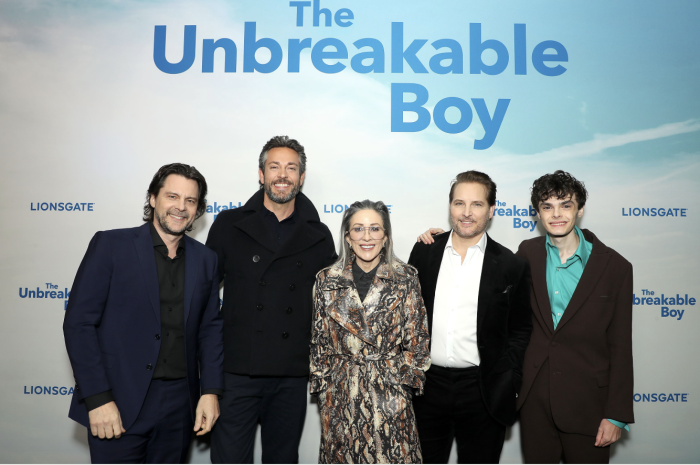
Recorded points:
(478, 229)
(163, 223)
(281, 199)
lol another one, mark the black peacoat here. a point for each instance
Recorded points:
(268, 287)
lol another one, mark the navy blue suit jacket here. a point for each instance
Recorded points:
(113, 317)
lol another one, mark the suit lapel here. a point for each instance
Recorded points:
(435, 255)
(597, 262)
(489, 271)
(192, 261)
(144, 249)
(538, 268)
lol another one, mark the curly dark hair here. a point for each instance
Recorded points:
(186, 171)
(559, 184)
(478, 177)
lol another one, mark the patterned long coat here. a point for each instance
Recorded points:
(367, 359)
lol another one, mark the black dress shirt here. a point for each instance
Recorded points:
(363, 280)
(171, 286)
(281, 230)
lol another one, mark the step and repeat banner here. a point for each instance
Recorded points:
(391, 100)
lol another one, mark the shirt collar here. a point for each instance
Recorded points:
(291, 218)
(581, 251)
(481, 245)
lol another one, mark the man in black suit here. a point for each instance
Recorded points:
(476, 293)
(269, 250)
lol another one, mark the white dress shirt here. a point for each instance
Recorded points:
(454, 313)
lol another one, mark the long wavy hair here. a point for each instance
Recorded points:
(186, 171)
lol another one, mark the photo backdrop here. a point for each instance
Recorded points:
(391, 100)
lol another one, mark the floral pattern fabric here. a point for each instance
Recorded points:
(367, 360)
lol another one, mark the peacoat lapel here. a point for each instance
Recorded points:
(303, 237)
(254, 226)
(538, 268)
(144, 250)
(597, 262)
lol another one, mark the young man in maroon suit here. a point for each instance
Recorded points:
(577, 376)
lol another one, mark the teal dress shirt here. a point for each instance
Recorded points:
(562, 279)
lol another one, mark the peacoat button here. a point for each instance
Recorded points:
(291, 287)
(289, 310)
(536, 365)
(157, 336)
(299, 265)
(554, 344)
(149, 366)
(285, 335)
(259, 306)
(256, 258)
(262, 282)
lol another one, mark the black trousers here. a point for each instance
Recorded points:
(279, 404)
(542, 441)
(161, 434)
(452, 408)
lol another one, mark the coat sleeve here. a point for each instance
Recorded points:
(86, 305)
(416, 339)
(215, 241)
(211, 340)
(321, 343)
(330, 254)
(619, 405)
(520, 320)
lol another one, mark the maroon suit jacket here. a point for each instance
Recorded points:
(590, 352)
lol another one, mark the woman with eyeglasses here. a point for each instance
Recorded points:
(369, 346)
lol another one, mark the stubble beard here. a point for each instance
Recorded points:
(162, 222)
(480, 228)
(282, 199)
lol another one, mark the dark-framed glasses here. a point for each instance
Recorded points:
(358, 232)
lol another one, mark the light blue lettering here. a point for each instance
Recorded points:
(188, 51)
(319, 54)
(399, 107)
(251, 45)
(376, 55)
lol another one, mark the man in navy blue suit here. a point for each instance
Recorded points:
(143, 330)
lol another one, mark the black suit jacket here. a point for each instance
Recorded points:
(504, 321)
(268, 287)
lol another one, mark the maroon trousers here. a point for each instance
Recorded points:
(542, 441)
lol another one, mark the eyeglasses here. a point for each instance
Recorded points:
(358, 232)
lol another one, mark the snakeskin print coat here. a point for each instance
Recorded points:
(367, 359)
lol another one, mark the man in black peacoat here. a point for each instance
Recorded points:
(269, 265)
